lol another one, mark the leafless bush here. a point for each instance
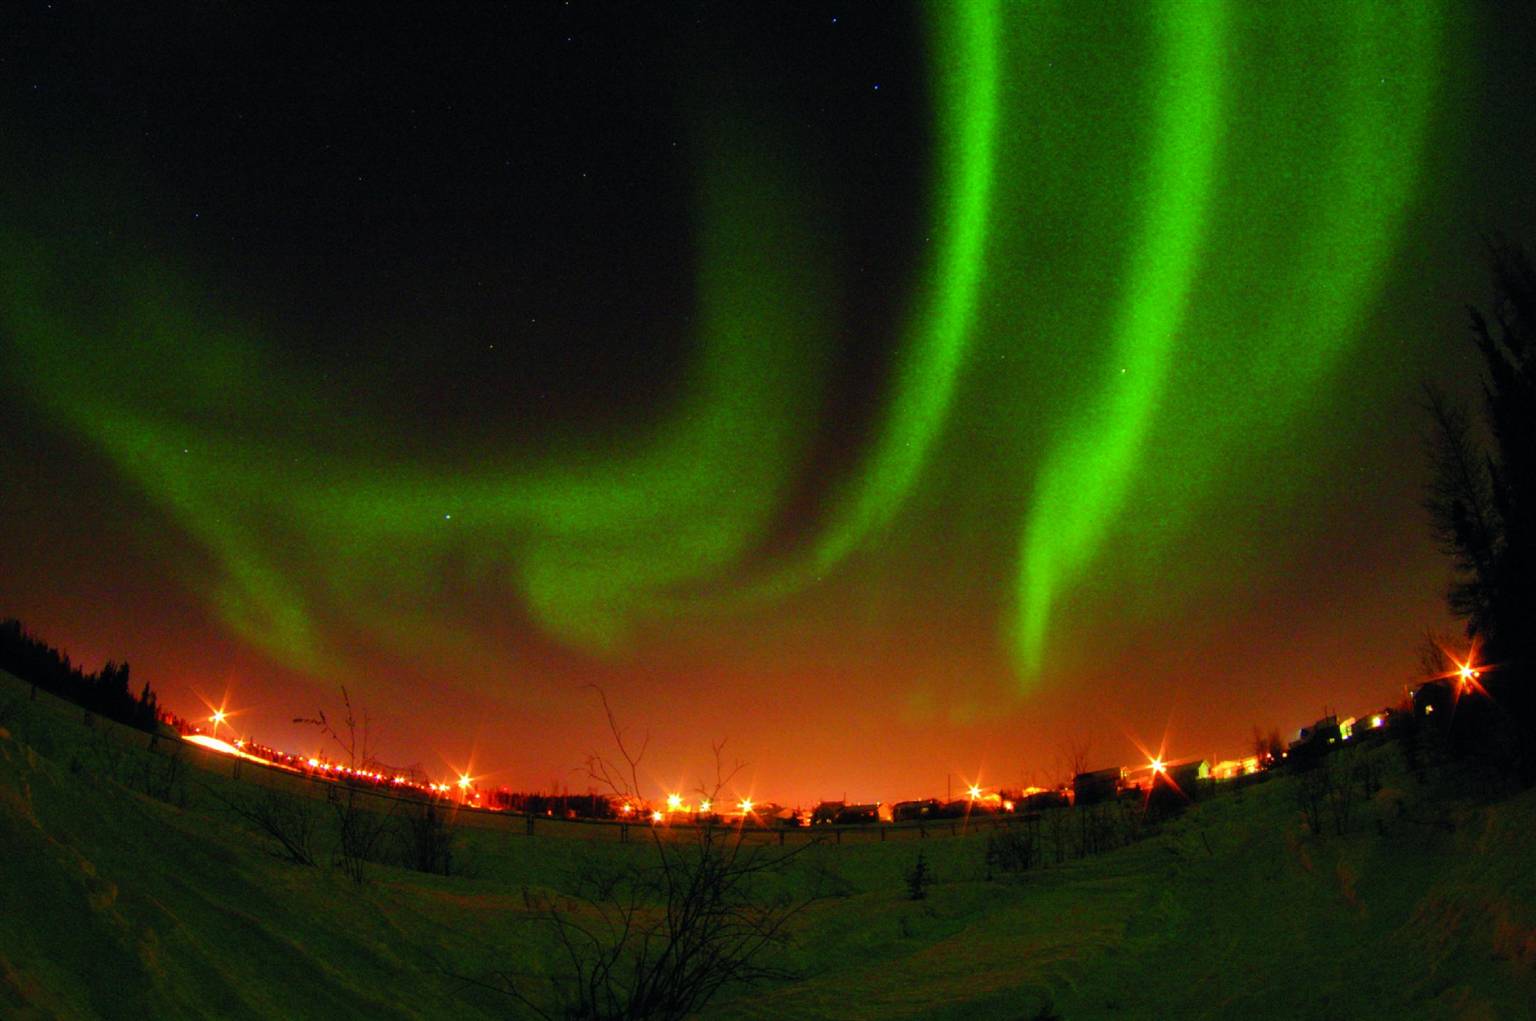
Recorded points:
(1341, 806)
(1013, 850)
(1367, 774)
(359, 831)
(1329, 791)
(658, 939)
(1137, 817)
(1095, 828)
(1312, 792)
(919, 878)
(289, 820)
(164, 777)
(1355, 777)
(426, 836)
(1056, 824)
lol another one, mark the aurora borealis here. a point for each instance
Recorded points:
(891, 392)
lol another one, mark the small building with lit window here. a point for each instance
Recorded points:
(1098, 786)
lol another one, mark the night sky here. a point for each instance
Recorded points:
(898, 394)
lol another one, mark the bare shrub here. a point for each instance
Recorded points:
(659, 938)
(1056, 824)
(164, 777)
(1312, 792)
(1367, 774)
(919, 878)
(289, 820)
(359, 832)
(1134, 819)
(1096, 829)
(1344, 788)
(1013, 850)
(426, 837)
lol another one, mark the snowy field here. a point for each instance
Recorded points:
(129, 889)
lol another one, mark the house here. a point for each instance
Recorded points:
(906, 811)
(1313, 742)
(861, 815)
(1431, 698)
(1097, 786)
(825, 813)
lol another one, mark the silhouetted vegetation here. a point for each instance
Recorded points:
(659, 938)
(359, 831)
(919, 878)
(1014, 850)
(558, 806)
(426, 836)
(1482, 510)
(106, 692)
(1268, 748)
(287, 820)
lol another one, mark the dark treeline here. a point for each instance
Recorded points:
(564, 806)
(1482, 507)
(105, 692)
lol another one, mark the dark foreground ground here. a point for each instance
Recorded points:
(129, 892)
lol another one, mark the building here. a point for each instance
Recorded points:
(1097, 786)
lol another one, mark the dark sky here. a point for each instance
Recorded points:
(897, 393)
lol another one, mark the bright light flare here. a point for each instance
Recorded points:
(674, 802)
(1157, 764)
(974, 791)
(1467, 673)
(656, 816)
(745, 804)
(218, 714)
(705, 805)
(223, 747)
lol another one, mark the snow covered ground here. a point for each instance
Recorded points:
(129, 892)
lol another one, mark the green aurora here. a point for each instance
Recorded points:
(1151, 238)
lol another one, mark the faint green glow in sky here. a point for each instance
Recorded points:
(335, 532)
(1236, 199)
(1258, 252)
(967, 67)
(1084, 478)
